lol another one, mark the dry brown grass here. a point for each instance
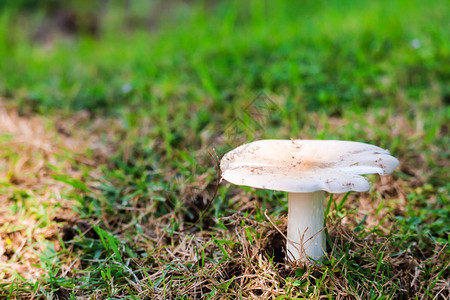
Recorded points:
(244, 260)
(31, 151)
(251, 275)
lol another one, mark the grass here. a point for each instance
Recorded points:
(105, 127)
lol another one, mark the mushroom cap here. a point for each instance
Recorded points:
(305, 166)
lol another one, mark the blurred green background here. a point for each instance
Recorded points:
(110, 56)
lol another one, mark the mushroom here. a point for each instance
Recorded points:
(305, 169)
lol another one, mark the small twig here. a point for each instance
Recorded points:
(416, 275)
(285, 237)
(278, 229)
(208, 205)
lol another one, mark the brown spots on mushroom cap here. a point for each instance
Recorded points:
(257, 170)
(306, 165)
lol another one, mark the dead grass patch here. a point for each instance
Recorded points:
(32, 149)
(244, 258)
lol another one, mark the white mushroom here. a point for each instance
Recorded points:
(304, 169)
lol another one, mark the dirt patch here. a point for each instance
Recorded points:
(32, 151)
(243, 258)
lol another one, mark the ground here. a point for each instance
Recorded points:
(113, 118)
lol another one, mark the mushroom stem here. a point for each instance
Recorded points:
(305, 226)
